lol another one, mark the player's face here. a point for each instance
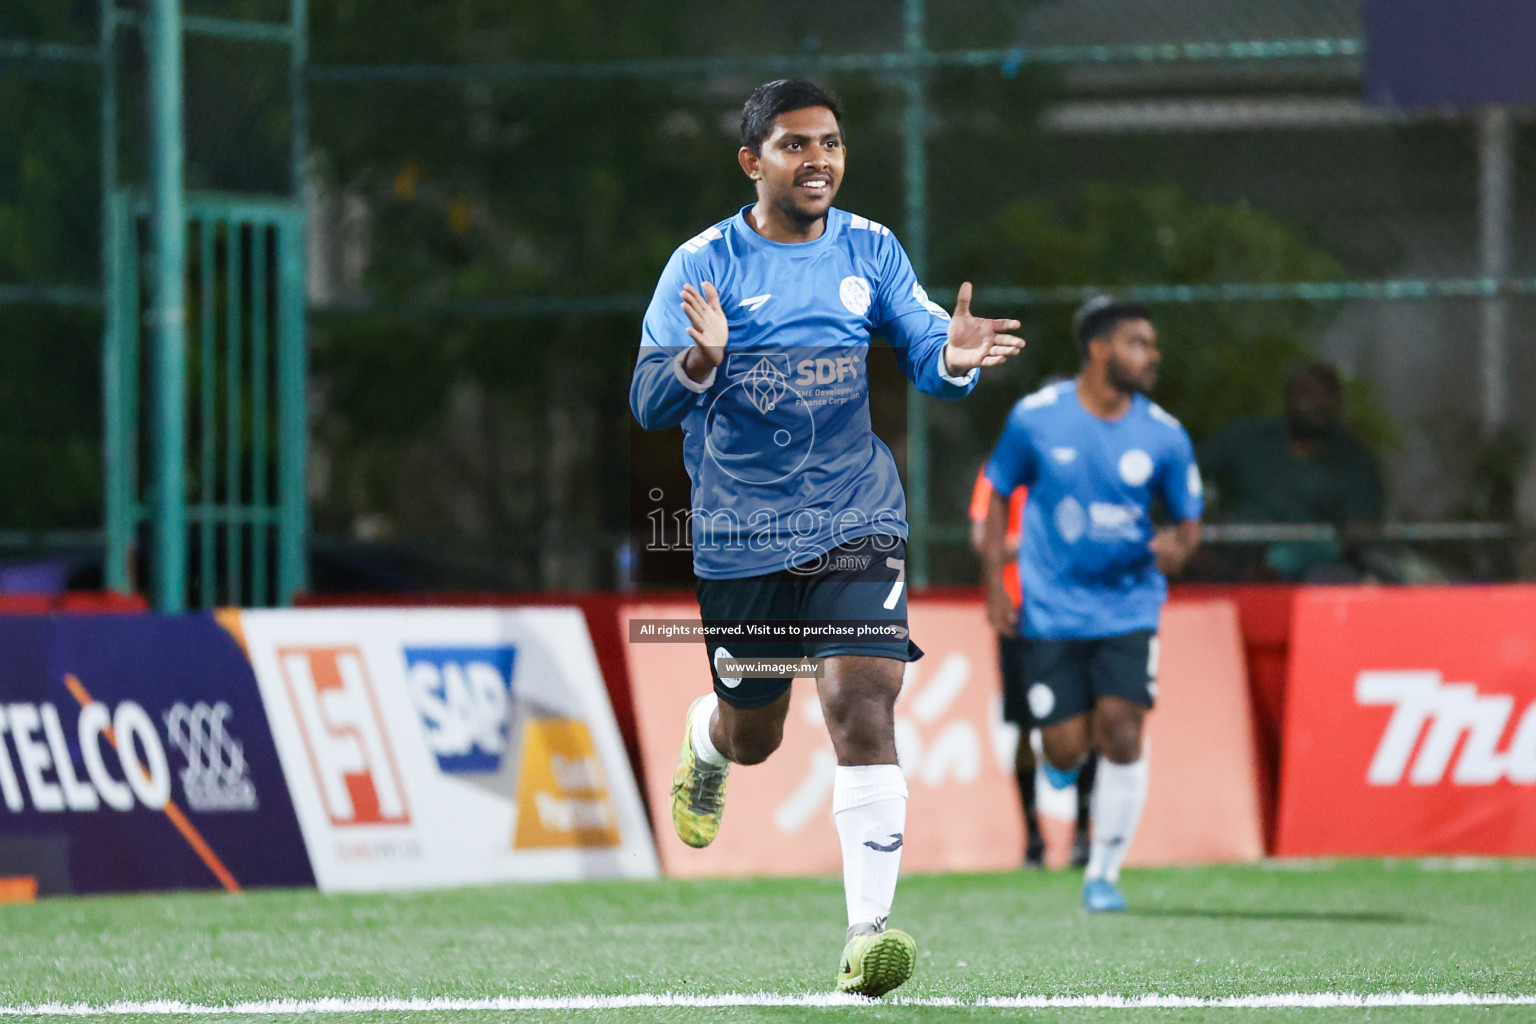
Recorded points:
(801, 164)
(1312, 408)
(1133, 356)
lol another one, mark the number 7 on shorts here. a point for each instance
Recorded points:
(900, 565)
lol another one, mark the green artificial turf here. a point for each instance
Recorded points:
(1364, 927)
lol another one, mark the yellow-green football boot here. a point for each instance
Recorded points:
(698, 792)
(876, 960)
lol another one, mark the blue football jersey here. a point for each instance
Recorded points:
(1084, 560)
(777, 440)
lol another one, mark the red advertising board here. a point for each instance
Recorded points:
(958, 754)
(1411, 723)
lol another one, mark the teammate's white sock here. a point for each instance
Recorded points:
(869, 805)
(698, 733)
(1119, 794)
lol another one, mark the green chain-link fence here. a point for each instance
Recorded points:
(495, 186)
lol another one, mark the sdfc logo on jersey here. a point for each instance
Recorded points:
(344, 735)
(463, 696)
(826, 370)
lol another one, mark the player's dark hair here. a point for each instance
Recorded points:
(1317, 372)
(781, 96)
(1100, 315)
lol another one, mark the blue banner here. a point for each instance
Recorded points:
(1463, 53)
(135, 754)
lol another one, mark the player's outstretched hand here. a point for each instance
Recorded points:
(977, 341)
(707, 324)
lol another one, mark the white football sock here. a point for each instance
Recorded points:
(1119, 794)
(869, 806)
(698, 733)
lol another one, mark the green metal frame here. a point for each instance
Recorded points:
(243, 506)
(238, 526)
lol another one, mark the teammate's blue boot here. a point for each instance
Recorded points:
(1100, 894)
(1057, 778)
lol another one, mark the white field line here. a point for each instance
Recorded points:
(311, 1007)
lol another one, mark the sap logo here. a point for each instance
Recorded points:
(826, 370)
(344, 735)
(215, 778)
(463, 695)
(1449, 711)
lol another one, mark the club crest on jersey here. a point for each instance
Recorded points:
(854, 291)
(1135, 467)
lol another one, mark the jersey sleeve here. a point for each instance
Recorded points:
(916, 327)
(981, 496)
(1178, 481)
(1013, 463)
(660, 393)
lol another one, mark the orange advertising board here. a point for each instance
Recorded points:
(957, 754)
(1411, 723)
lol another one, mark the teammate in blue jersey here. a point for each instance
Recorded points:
(757, 344)
(1097, 455)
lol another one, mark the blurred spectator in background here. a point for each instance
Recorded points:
(1302, 467)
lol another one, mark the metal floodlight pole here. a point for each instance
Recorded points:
(916, 234)
(117, 463)
(293, 426)
(1495, 215)
(163, 37)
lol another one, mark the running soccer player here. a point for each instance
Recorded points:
(797, 510)
(1096, 453)
(1001, 570)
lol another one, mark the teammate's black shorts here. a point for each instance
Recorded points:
(1013, 665)
(1066, 677)
(863, 581)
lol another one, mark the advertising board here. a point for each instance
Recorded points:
(957, 754)
(1411, 723)
(428, 747)
(134, 754)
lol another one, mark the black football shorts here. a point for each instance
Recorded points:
(851, 600)
(1066, 677)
